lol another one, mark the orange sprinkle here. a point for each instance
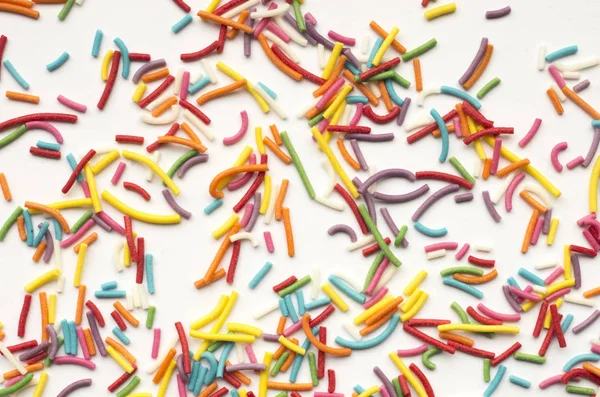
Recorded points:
(476, 279)
(288, 363)
(221, 91)
(314, 111)
(224, 21)
(591, 292)
(383, 34)
(275, 133)
(182, 141)
(280, 198)
(436, 133)
(418, 77)
(276, 61)
(209, 390)
(44, 313)
(210, 273)
(555, 101)
(375, 326)
(4, 186)
(335, 74)
(381, 313)
(213, 187)
(22, 3)
(480, 68)
(281, 325)
(163, 367)
(591, 368)
(19, 10)
(159, 74)
(89, 341)
(219, 274)
(80, 300)
(2, 335)
(239, 375)
(511, 167)
(334, 351)
(280, 350)
(21, 227)
(49, 1)
(385, 96)
(362, 88)
(289, 386)
(29, 368)
(464, 125)
(278, 152)
(351, 162)
(121, 349)
(457, 338)
(487, 167)
(38, 252)
(241, 19)
(190, 132)
(50, 211)
(289, 234)
(569, 93)
(126, 315)
(89, 240)
(17, 96)
(532, 202)
(164, 106)
(529, 231)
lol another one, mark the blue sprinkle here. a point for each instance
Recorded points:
(114, 293)
(529, 276)
(13, 72)
(125, 57)
(73, 164)
(209, 209)
(97, 43)
(519, 381)
(38, 238)
(200, 84)
(357, 99)
(317, 303)
(374, 50)
(462, 286)
(563, 52)
(121, 335)
(269, 91)
(260, 275)
(182, 23)
(48, 146)
(148, 262)
(107, 286)
(58, 62)
(28, 227)
(430, 232)
(460, 94)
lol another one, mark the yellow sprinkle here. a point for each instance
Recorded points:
(41, 280)
(139, 92)
(139, 215)
(362, 317)
(552, 288)
(224, 228)
(164, 383)
(333, 58)
(260, 146)
(242, 392)
(552, 231)
(568, 274)
(594, 186)
(411, 300)
(126, 255)
(264, 106)
(335, 120)
(119, 359)
(415, 282)
(410, 377)
(477, 143)
(530, 304)
(385, 45)
(242, 158)
(142, 394)
(244, 329)
(66, 204)
(214, 313)
(292, 346)
(548, 318)
(52, 309)
(222, 337)
(264, 375)
(212, 6)
(79, 266)
(370, 391)
(39, 388)
(105, 161)
(334, 162)
(415, 308)
(478, 328)
(105, 63)
(154, 167)
(218, 324)
(337, 102)
(440, 11)
(266, 198)
(89, 176)
(510, 156)
(335, 298)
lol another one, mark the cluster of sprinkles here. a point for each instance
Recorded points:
(356, 84)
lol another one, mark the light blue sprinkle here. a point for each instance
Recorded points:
(430, 232)
(28, 227)
(212, 373)
(114, 293)
(347, 290)
(389, 86)
(121, 335)
(148, 264)
(462, 286)
(300, 300)
(64, 326)
(58, 62)
(200, 380)
(283, 308)
(97, 42)
(200, 84)
(209, 209)
(182, 23)
(357, 99)
(290, 307)
(495, 382)
(73, 163)
(529, 276)
(374, 50)
(460, 94)
(513, 283)
(73, 337)
(443, 132)
(580, 358)
(125, 57)
(519, 381)
(297, 363)
(48, 146)
(38, 238)
(108, 285)
(13, 72)
(317, 303)
(260, 275)
(367, 344)
(194, 375)
(566, 323)
(269, 91)
(58, 233)
(355, 71)
(563, 52)
(224, 354)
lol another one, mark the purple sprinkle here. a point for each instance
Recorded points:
(312, 31)
(96, 333)
(511, 299)
(359, 156)
(53, 341)
(576, 270)
(74, 386)
(290, 19)
(490, 206)
(173, 204)
(341, 228)
(403, 111)
(401, 198)
(245, 367)
(370, 137)
(593, 148)
(34, 351)
(547, 221)
(101, 223)
(389, 221)
(200, 158)
(432, 199)
(581, 86)
(270, 337)
(494, 14)
(463, 198)
(386, 382)
(248, 37)
(145, 68)
(587, 322)
(475, 62)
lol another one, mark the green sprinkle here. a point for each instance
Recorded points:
(299, 16)
(17, 386)
(423, 48)
(488, 87)
(400, 235)
(129, 388)
(373, 269)
(461, 269)
(388, 74)
(377, 234)
(281, 394)
(150, 317)
(180, 161)
(460, 312)
(461, 169)
(397, 388)
(297, 285)
(400, 80)
(313, 369)
(298, 164)
(486, 369)
(425, 357)
(13, 136)
(315, 120)
(10, 221)
(66, 9)
(585, 391)
(79, 222)
(279, 363)
(531, 358)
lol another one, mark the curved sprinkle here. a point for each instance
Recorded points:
(475, 62)
(45, 126)
(240, 134)
(367, 344)
(82, 362)
(415, 351)
(432, 199)
(498, 316)
(532, 131)
(490, 206)
(78, 107)
(341, 228)
(551, 381)
(198, 159)
(444, 133)
(462, 286)
(357, 116)
(554, 155)
(430, 232)
(342, 39)
(74, 386)
(145, 68)
(385, 174)
(125, 52)
(460, 94)
(511, 190)
(494, 14)
(580, 358)
(173, 204)
(593, 148)
(58, 62)
(238, 183)
(401, 198)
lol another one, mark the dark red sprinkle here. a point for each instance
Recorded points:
(119, 320)
(49, 154)
(23, 316)
(235, 256)
(285, 283)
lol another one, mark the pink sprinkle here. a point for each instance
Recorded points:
(449, 245)
(14, 380)
(263, 22)
(496, 156)
(588, 217)
(557, 294)
(457, 128)
(240, 134)
(45, 126)
(181, 387)
(111, 222)
(156, 343)
(238, 183)
(118, 173)
(537, 231)
(247, 214)
(575, 162)
(269, 242)
(524, 294)
(82, 343)
(551, 381)
(591, 240)
(376, 298)
(185, 84)
(532, 131)
(357, 115)
(554, 155)
(554, 275)
(462, 252)
(498, 316)
(276, 30)
(557, 76)
(292, 329)
(377, 276)
(250, 353)
(595, 349)
(86, 189)
(76, 236)
(413, 352)
(74, 361)
(382, 391)
(342, 39)
(310, 18)
(78, 107)
(329, 93)
(323, 125)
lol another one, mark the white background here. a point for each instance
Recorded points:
(183, 252)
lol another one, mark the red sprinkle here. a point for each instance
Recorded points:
(330, 380)
(77, 171)
(23, 316)
(442, 176)
(377, 119)
(481, 262)
(494, 131)
(138, 189)
(38, 357)
(423, 379)
(139, 269)
(155, 94)
(540, 319)
(3, 40)
(476, 115)
(197, 112)
(96, 312)
(428, 339)
(21, 346)
(228, 6)
(221, 39)
(121, 379)
(556, 325)
(235, 256)
(181, 4)
(374, 248)
(255, 185)
(194, 56)
(49, 154)
(50, 117)
(381, 68)
(139, 57)
(423, 132)
(172, 131)
(322, 316)
(578, 373)
(426, 322)
(471, 350)
(349, 129)
(285, 283)
(232, 380)
(187, 366)
(509, 352)
(404, 385)
(346, 196)
(138, 140)
(112, 77)
(221, 392)
(482, 319)
(294, 66)
(321, 354)
(119, 320)
(583, 250)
